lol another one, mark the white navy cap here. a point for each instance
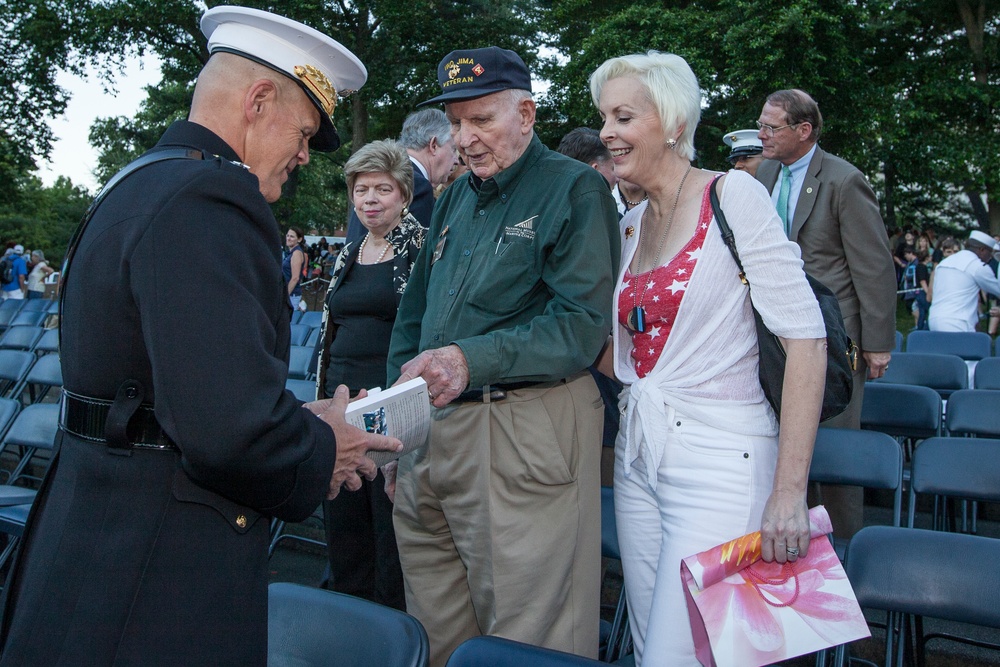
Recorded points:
(743, 143)
(984, 239)
(322, 66)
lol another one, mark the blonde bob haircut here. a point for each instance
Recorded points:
(387, 157)
(670, 86)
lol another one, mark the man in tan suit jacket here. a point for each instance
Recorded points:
(834, 217)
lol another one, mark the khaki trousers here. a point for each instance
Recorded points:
(498, 520)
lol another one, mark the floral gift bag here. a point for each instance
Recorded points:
(745, 612)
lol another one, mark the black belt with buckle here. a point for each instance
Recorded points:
(491, 393)
(86, 417)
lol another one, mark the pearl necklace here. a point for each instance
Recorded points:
(361, 250)
(629, 202)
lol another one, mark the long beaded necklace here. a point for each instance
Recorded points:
(636, 320)
(361, 250)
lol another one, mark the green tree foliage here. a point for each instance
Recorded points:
(43, 218)
(907, 88)
(400, 42)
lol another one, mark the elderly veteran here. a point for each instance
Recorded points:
(509, 302)
(148, 541)
(746, 150)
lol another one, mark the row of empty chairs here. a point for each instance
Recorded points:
(300, 618)
(969, 345)
(31, 312)
(27, 440)
(944, 373)
(27, 377)
(311, 318)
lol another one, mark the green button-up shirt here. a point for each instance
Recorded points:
(518, 273)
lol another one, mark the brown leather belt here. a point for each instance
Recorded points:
(86, 417)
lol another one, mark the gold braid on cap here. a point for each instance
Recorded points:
(320, 85)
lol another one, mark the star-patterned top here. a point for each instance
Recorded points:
(664, 289)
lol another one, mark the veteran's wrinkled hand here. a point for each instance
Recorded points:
(445, 371)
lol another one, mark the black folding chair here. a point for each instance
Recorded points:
(498, 652)
(312, 627)
(909, 572)
(20, 337)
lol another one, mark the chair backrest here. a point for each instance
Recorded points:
(944, 373)
(8, 410)
(315, 627)
(20, 337)
(300, 333)
(36, 426)
(899, 341)
(300, 362)
(41, 305)
(969, 345)
(313, 337)
(960, 467)
(8, 310)
(988, 374)
(974, 412)
(948, 576)
(499, 652)
(14, 365)
(46, 371)
(48, 343)
(312, 318)
(901, 410)
(31, 318)
(34, 430)
(304, 390)
(868, 459)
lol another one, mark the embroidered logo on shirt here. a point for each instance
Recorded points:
(522, 232)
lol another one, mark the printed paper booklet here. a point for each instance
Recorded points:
(402, 412)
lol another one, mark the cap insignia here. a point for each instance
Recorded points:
(478, 70)
(453, 69)
(320, 85)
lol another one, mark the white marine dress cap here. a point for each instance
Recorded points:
(743, 142)
(322, 66)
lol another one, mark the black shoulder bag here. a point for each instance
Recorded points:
(842, 353)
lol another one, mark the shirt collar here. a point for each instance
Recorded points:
(507, 179)
(799, 166)
(418, 165)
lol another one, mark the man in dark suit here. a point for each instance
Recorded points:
(831, 212)
(147, 544)
(427, 139)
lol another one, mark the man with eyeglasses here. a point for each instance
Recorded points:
(830, 210)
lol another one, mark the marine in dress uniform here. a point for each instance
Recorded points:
(148, 541)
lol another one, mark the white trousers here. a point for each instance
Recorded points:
(712, 485)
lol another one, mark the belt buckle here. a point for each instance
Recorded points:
(491, 394)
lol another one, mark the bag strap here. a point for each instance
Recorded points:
(131, 167)
(724, 229)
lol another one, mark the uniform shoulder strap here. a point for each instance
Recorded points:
(133, 166)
